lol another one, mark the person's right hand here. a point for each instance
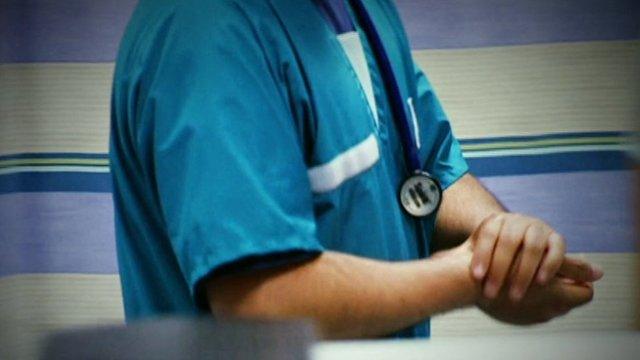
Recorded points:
(515, 251)
(542, 302)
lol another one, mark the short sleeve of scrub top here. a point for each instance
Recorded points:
(442, 150)
(229, 167)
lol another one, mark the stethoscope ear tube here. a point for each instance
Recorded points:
(397, 103)
(420, 194)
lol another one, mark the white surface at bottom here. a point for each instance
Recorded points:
(577, 345)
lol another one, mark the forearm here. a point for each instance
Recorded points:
(348, 296)
(464, 205)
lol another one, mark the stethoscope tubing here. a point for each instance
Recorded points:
(400, 116)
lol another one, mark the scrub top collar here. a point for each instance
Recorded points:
(337, 15)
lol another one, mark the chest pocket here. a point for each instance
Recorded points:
(340, 140)
(348, 124)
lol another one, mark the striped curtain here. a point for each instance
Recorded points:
(544, 95)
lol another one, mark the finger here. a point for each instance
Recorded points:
(560, 296)
(509, 241)
(533, 248)
(553, 259)
(573, 295)
(573, 282)
(579, 270)
(516, 264)
(484, 239)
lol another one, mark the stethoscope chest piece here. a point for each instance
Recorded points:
(420, 195)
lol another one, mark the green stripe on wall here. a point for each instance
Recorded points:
(53, 162)
(545, 143)
(486, 148)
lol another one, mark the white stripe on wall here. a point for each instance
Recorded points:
(502, 91)
(329, 176)
(536, 89)
(31, 305)
(54, 107)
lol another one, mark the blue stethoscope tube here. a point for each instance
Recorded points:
(397, 103)
(420, 195)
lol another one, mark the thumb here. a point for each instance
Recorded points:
(572, 295)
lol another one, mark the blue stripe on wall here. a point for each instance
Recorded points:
(473, 23)
(40, 30)
(57, 232)
(593, 210)
(55, 181)
(493, 166)
(550, 163)
(62, 31)
(91, 156)
(74, 232)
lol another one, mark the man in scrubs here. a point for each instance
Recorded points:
(256, 164)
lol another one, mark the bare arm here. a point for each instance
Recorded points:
(348, 296)
(353, 297)
(464, 205)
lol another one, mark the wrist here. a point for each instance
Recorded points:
(472, 288)
(457, 263)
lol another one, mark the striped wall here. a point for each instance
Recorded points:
(544, 95)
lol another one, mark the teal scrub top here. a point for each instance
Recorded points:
(243, 138)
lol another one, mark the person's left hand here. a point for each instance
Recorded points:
(515, 249)
(542, 303)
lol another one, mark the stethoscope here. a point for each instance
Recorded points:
(420, 194)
